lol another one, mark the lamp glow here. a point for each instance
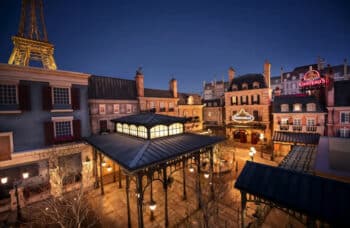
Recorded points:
(25, 175)
(261, 136)
(109, 168)
(191, 169)
(152, 205)
(103, 163)
(206, 175)
(4, 180)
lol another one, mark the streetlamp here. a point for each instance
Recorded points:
(16, 183)
(191, 169)
(262, 137)
(152, 207)
(252, 152)
(206, 175)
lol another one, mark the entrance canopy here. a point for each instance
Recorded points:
(319, 198)
(134, 153)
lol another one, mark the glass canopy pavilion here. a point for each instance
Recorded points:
(151, 147)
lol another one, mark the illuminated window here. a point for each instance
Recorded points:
(209, 114)
(133, 130)
(190, 100)
(311, 107)
(284, 108)
(61, 95)
(171, 107)
(284, 121)
(159, 131)
(244, 99)
(102, 108)
(151, 104)
(142, 132)
(297, 122)
(297, 107)
(125, 128)
(119, 127)
(8, 94)
(116, 108)
(234, 100)
(175, 129)
(128, 108)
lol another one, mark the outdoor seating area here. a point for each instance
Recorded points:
(301, 159)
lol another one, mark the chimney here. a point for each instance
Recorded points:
(267, 73)
(320, 63)
(231, 75)
(173, 87)
(139, 83)
(281, 75)
(310, 68)
(346, 76)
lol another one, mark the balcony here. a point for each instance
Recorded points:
(311, 128)
(284, 127)
(297, 127)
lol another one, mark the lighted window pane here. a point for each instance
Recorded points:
(159, 131)
(297, 107)
(125, 128)
(311, 107)
(142, 132)
(176, 128)
(119, 127)
(133, 130)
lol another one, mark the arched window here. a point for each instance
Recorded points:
(176, 128)
(119, 127)
(133, 130)
(142, 132)
(190, 100)
(159, 131)
(297, 107)
(125, 128)
(256, 85)
(311, 107)
(284, 108)
(234, 87)
(244, 86)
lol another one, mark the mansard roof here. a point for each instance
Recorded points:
(296, 99)
(161, 93)
(197, 99)
(101, 87)
(342, 93)
(249, 79)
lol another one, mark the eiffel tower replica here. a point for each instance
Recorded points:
(31, 42)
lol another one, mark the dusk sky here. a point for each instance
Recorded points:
(192, 40)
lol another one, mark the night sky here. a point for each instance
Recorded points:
(192, 40)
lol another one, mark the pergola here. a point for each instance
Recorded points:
(305, 197)
(151, 147)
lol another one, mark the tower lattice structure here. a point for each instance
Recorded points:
(31, 42)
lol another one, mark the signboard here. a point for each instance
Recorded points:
(312, 78)
(242, 117)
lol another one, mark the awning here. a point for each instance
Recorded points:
(134, 153)
(291, 137)
(321, 198)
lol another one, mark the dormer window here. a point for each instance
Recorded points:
(244, 86)
(234, 87)
(190, 100)
(311, 107)
(284, 108)
(256, 85)
(297, 107)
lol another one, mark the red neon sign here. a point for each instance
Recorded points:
(312, 78)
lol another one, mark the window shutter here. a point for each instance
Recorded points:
(342, 117)
(49, 134)
(76, 129)
(24, 97)
(75, 93)
(252, 99)
(247, 99)
(241, 100)
(258, 102)
(47, 98)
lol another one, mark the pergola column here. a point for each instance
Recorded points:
(96, 185)
(127, 186)
(211, 168)
(184, 163)
(165, 187)
(139, 200)
(199, 189)
(101, 175)
(120, 177)
(243, 207)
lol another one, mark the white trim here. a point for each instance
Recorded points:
(62, 118)
(345, 112)
(61, 87)
(10, 134)
(11, 112)
(62, 110)
(105, 111)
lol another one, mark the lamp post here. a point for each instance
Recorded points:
(261, 137)
(252, 152)
(16, 183)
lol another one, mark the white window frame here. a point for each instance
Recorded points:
(296, 105)
(62, 119)
(347, 120)
(284, 107)
(310, 107)
(61, 87)
(116, 108)
(99, 109)
(284, 121)
(310, 120)
(298, 121)
(190, 100)
(344, 132)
